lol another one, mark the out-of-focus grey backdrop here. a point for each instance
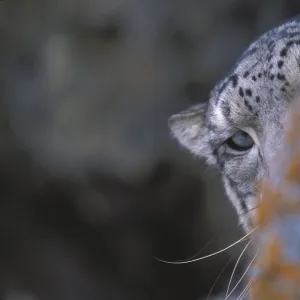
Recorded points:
(92, 184)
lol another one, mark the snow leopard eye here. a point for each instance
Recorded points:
(240, 142)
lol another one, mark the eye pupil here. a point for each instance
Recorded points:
(241, 141)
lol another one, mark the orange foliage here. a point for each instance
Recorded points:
(278, 277)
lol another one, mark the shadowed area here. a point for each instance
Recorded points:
(92, 184)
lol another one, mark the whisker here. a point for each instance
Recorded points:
(244, 293)
(216, 280)
(199, 252)
(237, 262)
(244, 274)
(207, 256)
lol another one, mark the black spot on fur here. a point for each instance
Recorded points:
(241, 92)
(249, 106)
(226, 110)
(243, 205)
(221, 163)
(289, 44)
(234, 80)
(272, 77)
(280, 76)
(257, 99)
(254, 78)
(280, 64)
(271, 66)
(259, 75)
(283, 52)
(248, 92)
(215, 151)
(256, 114)
(283, 89)
(246, 74)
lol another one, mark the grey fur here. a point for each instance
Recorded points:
(253, 97)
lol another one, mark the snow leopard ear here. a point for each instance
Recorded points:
(189, 128)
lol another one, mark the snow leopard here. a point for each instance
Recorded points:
(240, 129)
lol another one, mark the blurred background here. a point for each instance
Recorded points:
(92, 185)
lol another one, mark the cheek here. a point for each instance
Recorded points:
(244, 175)
(243, 205)
(248, 219)
(244, 169)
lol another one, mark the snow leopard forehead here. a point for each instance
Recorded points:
(262, 82)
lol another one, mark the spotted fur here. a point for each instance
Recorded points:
(253, 97)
